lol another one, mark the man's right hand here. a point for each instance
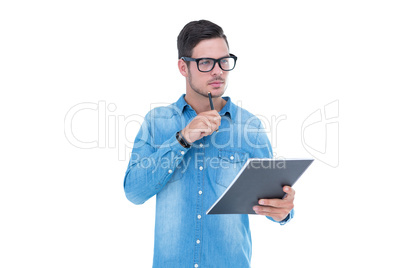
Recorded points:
(202, 125)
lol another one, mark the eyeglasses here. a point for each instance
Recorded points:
(207, 64)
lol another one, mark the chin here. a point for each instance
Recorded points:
(216, 92)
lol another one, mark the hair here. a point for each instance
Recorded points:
(196, 31)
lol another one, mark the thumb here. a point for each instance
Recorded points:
(286, 189)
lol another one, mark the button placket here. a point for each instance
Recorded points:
(199, 196)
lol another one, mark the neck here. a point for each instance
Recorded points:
(201, 104)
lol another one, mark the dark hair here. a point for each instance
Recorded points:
(196, 31)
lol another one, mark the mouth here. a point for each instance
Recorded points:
(216, 83)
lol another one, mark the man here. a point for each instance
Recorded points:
(188, 154)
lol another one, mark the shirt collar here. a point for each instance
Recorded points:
(181, 104)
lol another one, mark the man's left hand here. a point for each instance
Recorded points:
(277, 209)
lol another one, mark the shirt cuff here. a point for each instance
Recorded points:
(286, 220)
(176, 147)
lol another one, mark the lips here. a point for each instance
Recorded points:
(216, 83)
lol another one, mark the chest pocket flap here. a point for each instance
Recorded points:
(231, 161)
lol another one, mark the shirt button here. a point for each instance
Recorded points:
(170, 171)
(201, 145)
(200, 192)
(182, 152)
(199, 216)
(201, 168)
(231, 157)
(198, 241)
(195, 265)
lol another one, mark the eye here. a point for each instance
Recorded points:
(204, 62)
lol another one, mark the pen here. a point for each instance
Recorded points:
(211, 104)
(210, 101)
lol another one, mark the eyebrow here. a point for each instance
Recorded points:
(228, 55)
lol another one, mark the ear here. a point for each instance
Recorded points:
(183, 68)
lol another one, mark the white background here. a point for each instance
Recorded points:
(64, 206)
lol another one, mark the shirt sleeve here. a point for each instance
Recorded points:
(286, 220)
(150, 166)
(262, 146)
(264, 150)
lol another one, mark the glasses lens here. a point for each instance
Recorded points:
(205, 65)
(227, 64)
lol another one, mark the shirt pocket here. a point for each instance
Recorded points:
(230, 163)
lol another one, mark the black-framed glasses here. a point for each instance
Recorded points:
(207, 64)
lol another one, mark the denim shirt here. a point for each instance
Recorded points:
(188, 181)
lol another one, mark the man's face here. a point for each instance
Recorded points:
(214, 81)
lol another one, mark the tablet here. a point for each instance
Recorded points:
(259, 178)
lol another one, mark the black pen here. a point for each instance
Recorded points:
(210, 101)
(211, 104)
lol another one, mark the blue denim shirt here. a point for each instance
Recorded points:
(188, 181)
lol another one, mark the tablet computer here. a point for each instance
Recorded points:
(259, 178)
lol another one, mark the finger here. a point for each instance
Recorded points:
(204, 124)
(277, 204)
(213, 123)
(217, 121)
(214, 119)
(211, 112)
(275, 216)
(271, 202)
(211, 115)
(290, 192)
(268, 210)
(206, 132)
(207, 120)
(211, 128)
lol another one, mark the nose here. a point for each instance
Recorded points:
(216, 70)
